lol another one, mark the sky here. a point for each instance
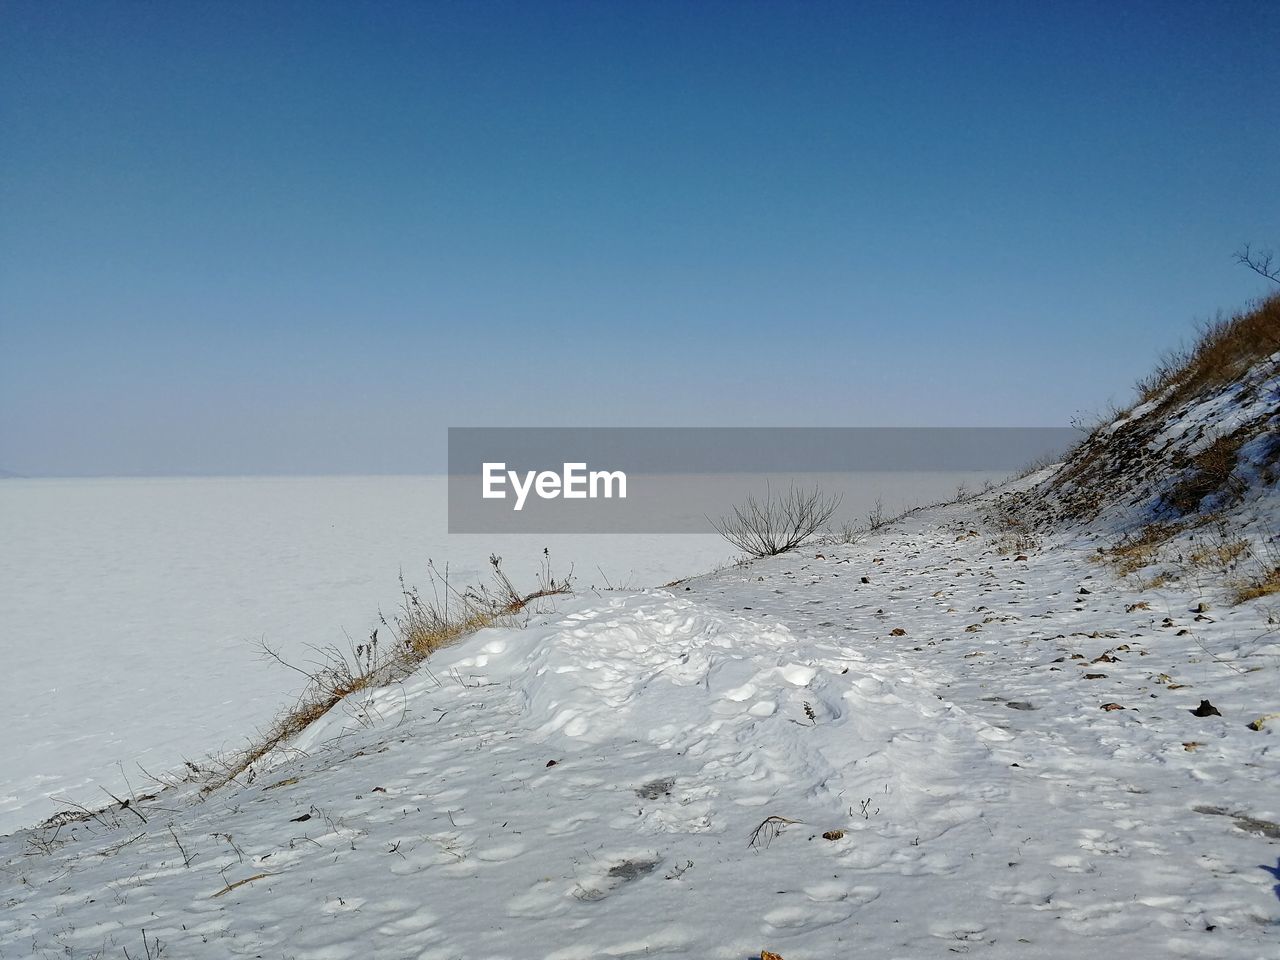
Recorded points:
(307, 238)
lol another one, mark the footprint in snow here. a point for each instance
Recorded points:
(838, 892)
(620, 871)
(795, 919)
(656, 788)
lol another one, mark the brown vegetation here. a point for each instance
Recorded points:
(1263, 586)
(418, 629)
(1225, 349)
(1139, 549)
(1212, 473)
(1130, 459)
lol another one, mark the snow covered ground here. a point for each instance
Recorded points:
(999, 747)
(132, 609)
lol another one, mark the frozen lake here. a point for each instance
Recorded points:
(132, 608)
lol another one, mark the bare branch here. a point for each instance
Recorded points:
(1262, 263)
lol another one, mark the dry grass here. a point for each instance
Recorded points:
(1263, 586)
(417, 629)
(1161, 579)
(1212, 473)
(1225, 349)
(422, 627)
(1016, 543)
(1263, 557)
(1250, 567)
(1139, 550)
(1114, 463)
(1218, 555)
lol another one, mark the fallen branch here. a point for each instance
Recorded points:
(240, 883)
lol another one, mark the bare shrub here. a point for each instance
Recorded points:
(846, 533)
(876, 516)
(779, 522)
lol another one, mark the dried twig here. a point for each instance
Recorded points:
(186, 860)
(769, 828)
(240, 883)
(154, 948)
(125, 804)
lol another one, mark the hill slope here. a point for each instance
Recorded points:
(964, 734)
(1183, 486)
(652, 775)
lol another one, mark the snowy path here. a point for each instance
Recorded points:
(588, 787)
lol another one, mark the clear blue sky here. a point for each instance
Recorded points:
(274, 237)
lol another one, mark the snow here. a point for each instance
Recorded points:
(651, 773)
(133, 609)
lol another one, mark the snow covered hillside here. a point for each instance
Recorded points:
(1185, 486)
(940, 740)
(1041, 723)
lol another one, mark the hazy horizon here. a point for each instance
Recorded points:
(305, 239)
